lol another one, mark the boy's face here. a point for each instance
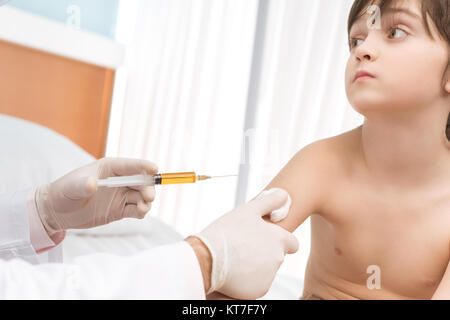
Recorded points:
(406, 64)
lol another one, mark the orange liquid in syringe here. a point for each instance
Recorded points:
(179, 177)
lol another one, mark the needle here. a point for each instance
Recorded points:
(230, 175)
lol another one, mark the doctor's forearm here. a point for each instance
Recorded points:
(40, 239)
(204, 259)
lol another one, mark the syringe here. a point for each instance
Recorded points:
(150, 180)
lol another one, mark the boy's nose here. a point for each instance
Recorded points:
(365, 54)
(367, 50)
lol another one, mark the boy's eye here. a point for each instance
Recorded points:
(354, 42)
(392, 32)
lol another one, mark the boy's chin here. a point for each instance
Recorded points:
(367, 107)
(374, 106)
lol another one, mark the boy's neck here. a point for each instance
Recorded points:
(406, 150)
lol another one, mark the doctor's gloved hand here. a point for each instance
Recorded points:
(247, 251)
(75, 202)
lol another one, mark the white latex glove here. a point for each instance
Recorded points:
(246, 250)
(75, 202)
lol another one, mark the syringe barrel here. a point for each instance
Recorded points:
(175, 178)
(128, 181)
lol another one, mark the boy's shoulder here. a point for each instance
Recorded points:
(333, 154)
(312, 176)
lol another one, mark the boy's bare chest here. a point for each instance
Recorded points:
(403, 235)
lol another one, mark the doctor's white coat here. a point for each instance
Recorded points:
(166, 272)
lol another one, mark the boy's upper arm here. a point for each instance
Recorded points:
(304, 178)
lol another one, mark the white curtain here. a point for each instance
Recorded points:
(180, 99)
(300, 95)
(182, 96)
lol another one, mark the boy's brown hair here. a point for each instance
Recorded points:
(438, 10)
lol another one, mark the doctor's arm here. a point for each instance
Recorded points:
(166, 272)
(22, 234)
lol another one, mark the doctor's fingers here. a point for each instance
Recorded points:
(268, 201)
(291, 243)
(136, 211)
(125, 167)
(147, 192)
(289, 240)
(136, 206)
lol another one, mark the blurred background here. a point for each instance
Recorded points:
(213, 86)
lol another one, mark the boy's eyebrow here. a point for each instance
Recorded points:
(403, 10)
(396, 10)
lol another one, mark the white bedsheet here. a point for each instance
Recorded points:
(82, 242)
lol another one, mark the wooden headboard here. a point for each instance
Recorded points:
(69, 96)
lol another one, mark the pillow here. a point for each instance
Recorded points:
(35, 155)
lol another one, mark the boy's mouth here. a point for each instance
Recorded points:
(363, 75)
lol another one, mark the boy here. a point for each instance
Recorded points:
(379, 195)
